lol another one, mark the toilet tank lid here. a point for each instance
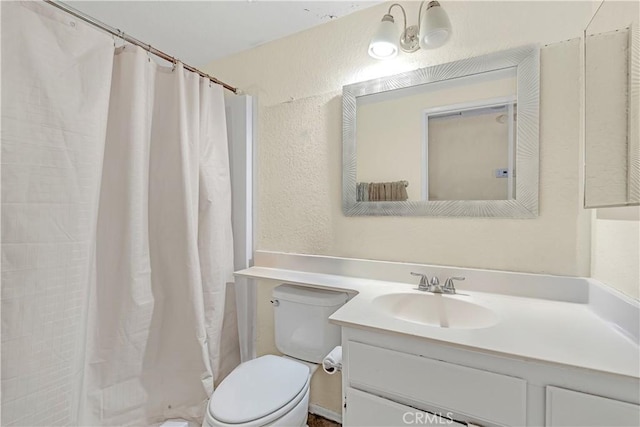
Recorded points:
(310, 296)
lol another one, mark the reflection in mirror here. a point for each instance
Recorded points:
(470, 151)
(448, 140)
(612, 110)
(445, 140)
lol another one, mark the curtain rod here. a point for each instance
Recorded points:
(116, 32)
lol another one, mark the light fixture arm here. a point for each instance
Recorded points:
(404, 14)
(420, 12)
(409, 39)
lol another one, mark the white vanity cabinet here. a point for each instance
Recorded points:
(396, 380)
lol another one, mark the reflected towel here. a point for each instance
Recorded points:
(387, 191)
(362, 192)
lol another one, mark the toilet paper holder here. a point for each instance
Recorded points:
(332, 362)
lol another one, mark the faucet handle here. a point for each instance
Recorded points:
(448, 284)
(423, 280)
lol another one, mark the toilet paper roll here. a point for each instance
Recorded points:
(332, 362)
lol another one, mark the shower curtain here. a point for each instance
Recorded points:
(116, 228)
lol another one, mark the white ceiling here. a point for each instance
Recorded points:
(198, 32)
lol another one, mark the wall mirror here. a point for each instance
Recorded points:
(612, 106)
(457, 139)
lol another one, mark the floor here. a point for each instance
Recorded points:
(318, 421)
(313, 421)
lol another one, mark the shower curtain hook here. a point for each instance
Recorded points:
(121, 36)
(173, 67)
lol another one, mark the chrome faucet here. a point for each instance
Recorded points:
(434, 286)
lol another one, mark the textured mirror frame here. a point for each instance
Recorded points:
(525, 204)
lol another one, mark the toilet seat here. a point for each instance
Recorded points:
(259, 392)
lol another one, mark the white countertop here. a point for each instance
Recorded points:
(559, 332)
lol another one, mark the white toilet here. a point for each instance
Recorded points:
(274, 390)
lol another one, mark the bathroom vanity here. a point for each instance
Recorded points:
(510, 349)
(499, 360)
(392, 380)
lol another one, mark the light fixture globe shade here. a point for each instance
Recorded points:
(435, 28)
(384, 44)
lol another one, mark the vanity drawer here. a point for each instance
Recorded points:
(364, 409)
(479, 394)
(572, 408)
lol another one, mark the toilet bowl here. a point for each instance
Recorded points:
(274, 390)
(267, 391)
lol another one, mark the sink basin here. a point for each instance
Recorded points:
(445, 311)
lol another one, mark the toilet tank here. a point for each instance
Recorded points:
(302, 325)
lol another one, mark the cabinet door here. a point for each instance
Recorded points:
(478, 394)
(571, 408)
(367, 410)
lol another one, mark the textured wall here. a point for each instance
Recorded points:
(298, 82)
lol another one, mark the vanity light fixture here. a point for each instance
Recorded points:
(433, 32)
